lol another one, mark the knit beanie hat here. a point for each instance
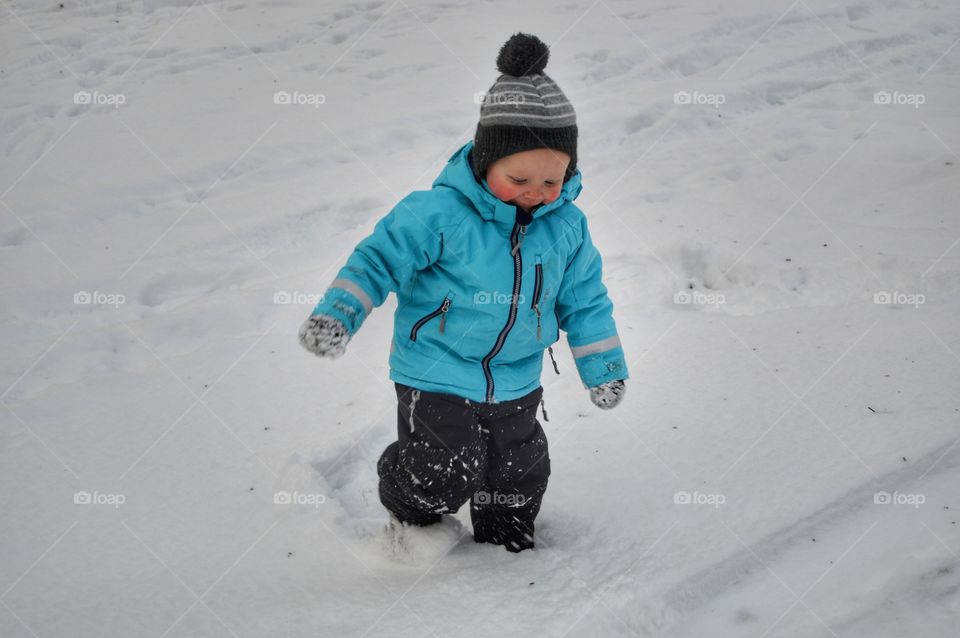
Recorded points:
(524, 109)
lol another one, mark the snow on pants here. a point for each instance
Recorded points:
(451, 450)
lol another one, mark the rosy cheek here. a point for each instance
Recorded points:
(551, 196)
(503, 191)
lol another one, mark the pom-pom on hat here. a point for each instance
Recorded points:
(524, 109)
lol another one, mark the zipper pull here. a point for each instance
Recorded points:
(543, 408)
(536, 308)
(555, 368)
(443, 313)
(516, 247)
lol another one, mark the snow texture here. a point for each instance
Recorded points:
(773, 188)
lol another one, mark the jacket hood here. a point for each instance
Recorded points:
(458, 174)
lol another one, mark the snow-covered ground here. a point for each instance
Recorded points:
(774, 189)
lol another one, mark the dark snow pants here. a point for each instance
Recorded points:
(451, 450)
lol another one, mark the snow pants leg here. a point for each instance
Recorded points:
(518, 468)
(450, 450)
(438, 460)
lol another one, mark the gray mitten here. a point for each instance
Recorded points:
(608, 395)
(324, 336)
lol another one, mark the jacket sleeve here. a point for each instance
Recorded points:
(400, 244)
(586, 315)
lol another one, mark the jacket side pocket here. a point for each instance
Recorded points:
(441, 312)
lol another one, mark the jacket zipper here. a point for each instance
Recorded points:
(537, 291)
(442, 311)
(515, 239)
(516, 246)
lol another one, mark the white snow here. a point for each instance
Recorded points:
(756, 208)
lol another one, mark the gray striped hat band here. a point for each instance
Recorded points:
(533, 100)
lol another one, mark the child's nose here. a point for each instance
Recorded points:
(534, 193)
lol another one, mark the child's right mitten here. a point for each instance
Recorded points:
(324, 336)
(608, 395)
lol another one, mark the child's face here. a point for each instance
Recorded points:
(528, 178)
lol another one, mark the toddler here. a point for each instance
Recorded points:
(488, 266)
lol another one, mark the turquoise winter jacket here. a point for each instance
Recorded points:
(480, 296)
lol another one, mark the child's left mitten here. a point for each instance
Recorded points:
(608, 395)
(324, 336)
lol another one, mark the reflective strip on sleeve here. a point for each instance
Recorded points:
(597, 346)
(356, 291)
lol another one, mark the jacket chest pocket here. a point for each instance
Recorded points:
(441, 311)
(546, 281)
